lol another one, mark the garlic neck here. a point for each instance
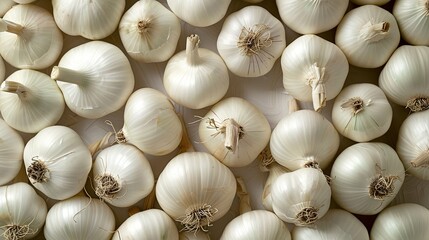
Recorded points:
(8, 26)
(355, 104)
(252, 40)
(418, 104)
(316, 80)
(70, 76)
(374, 32)
(17, 88)
(422, 160)
(233, 133)
(192, 56)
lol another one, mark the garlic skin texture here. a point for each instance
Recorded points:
(5, 5)
(149, 31)
(404, 221)
(413, 20)
(256, 25)
(304, 138)
(151, 123)
(91, 19)
(122, 175)
(413, 190)
(368, 35)
(405, 78)
(314, 70)
(30, 101)
(301, 197)
(336, 224)
(57, 162)
(275, 171)
(22, 211)
(147, 225)
(366, 177)
(372, 2)
(29, 37)
(11, 150)
(197, 77)
(95, 77)
(199, 13)
(413, 144)
(212, 184)
(234, 131)
(256, 224)
(311, 16)
(361, 112)
(200, 235)
(79, 218)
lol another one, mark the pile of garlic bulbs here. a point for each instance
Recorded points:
(203, 119)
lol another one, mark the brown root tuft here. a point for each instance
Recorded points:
(382, 186)
(307, 216)
(16, 232)
(418, 104)
(252, 40)
(37, 171)
(107, 186)
(197, 218)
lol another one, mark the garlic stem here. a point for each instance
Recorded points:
(243, 195)
(374, 32)
(315, 79)
(11, 27)
(68, 75)
(422, 160)
(192, 56)
(232, 134)
(15, 87)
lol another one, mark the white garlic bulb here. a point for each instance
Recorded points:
(95, 77)
(92, 19)
(373, 2)
(149, 31)
(11, 150)
(313, 70)
(199, 13)
(197, 77)
(30, 101)
(361, 112)
(250, 41)
(413, 190)
(29, 37)
(413, 20)
(275, 171)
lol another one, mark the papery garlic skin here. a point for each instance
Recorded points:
(151, 123)
(149, 31)
(404, 221)
(91, 19)
(368, 35)
(373, 2)
(405, 78)
(234, 131)
(304, 138)
(197, 77)
(11, 150)
(311, 16)
(30, 101)
(314, 70)
(57, 162)
(22, 212)
(96, 79)
(361, 112)
(366, 177)
(79, 218)
(412, 145)
(34, 42)
(256, 25)
(301, 197)
(199, 13)
(126, 166)
(413, 20)
(147, 225)
(256, 224)
(5, 5)
(336, 224)
(211, 183)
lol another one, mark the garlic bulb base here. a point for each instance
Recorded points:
(197, 218)
(356, 105)
(382, 186)
(11, 27)
(37, 172)
(418, 104)
(307, 216)
(13, 231)
(253, 39)
(107, 186)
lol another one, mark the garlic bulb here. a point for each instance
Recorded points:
(304, 139)
(122, 175)
(311, 16)
(313, 70)
(149, 31)
(196, 78)
(79, 218)
(5, 5)
(195, 189)
(150, 123)
(96, 79)
(373, 2)
(57, 162)
(30, 101)
(405, 78)
(200, 235)
(147, 225)
(11, 149)
(413, 190)
(257, 224)
(361, 112)
(234, 131)
(368, 35)
(29, 37)
(22, 212)
(413, 144)
(275, 171)
(199, 13)
(92, 19)
(413, 20)
(301, 197)
(404, 221)
(250, 41)
(336, 224)
(366, 177)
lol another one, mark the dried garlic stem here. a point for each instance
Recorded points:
(422, 160)
(69, 75)
(15, 87)
(315, 79)
(233, 132)
(197, 218)
(192, 56)
(418, 104)
(374, 32)
(11, 27)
